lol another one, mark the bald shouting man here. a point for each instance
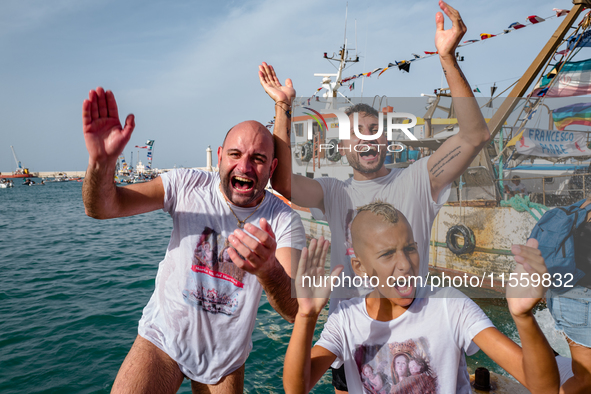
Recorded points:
(199, 321)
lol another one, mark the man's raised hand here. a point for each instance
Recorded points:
(104, 136)
(273, 87)
(446, 41)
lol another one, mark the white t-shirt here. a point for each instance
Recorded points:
(203, 308)
(407, 189)
(421, 351)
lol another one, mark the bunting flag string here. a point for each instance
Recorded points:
(404, 65)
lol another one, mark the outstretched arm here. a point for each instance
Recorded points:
(533, 365)
(304, 367)
(105, 139)
(299, 189)
(455, 155)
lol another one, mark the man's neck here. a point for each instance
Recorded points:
(361, 176)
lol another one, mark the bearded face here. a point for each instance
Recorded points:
(370, 158)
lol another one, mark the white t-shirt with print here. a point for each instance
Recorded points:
(203, 309)
(407, 189)
(421, 351)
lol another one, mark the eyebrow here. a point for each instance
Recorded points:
(235, 150)
(381, 252)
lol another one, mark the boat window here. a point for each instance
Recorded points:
(299, 129)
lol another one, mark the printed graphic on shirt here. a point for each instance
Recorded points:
(215, 282)
(397, 368)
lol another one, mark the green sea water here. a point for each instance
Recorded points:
(72, 290)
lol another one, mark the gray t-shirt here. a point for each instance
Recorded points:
(408, 189)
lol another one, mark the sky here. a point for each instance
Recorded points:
(188, 70)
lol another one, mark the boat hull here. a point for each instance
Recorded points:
(19, 176)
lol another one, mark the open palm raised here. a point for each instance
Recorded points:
(104, 136)
(273, 87)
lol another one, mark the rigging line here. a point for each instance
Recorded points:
(489, 83)
(497, 96)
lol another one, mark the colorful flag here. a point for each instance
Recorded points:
(580, 40)
(383, 71)
(470, 41)
(150, 142)
(352, 86)
(574, 79)
(416, 56)
(560, 12)
(516, 26)
(404, 66)
(572, 114)
(484, 36)
(430, 53)
(476, 90)
(142, 147)
(535, 19)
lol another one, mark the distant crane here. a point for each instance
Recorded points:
(18, 162)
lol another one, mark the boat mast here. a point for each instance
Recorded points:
(502, 114)
(332, 88)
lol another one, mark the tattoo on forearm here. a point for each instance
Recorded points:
(461, 73)
(459, 70)
(439, 167)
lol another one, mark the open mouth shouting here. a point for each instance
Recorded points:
(242, 184)
(404, 287)
(369, 155)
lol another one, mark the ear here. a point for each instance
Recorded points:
(220, 150)
(358, 268)
(273, 166)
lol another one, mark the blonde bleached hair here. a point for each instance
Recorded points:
(383, 209)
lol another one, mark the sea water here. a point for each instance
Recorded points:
(72, 290)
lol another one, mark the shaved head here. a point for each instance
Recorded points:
(365, 222)
(254, 124)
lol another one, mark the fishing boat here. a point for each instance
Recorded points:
(20, 171)
(475, 229)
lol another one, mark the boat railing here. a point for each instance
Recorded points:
(575, 187)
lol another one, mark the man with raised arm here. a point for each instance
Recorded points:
(231, 239)
(418, 191)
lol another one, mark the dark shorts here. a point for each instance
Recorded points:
(338, 378)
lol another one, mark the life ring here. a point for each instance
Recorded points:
(306, 152)
(333, 153)
(452, 241)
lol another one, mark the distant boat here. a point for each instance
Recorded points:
(20, 171)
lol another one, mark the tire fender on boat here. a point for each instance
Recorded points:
(306, 152)
(333, 154)
(466, 233)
